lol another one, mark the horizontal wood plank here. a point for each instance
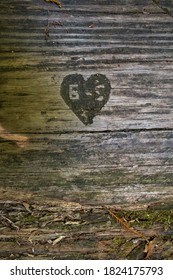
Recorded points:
(97, 168)
(133, 50)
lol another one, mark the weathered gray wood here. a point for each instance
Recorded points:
(56, 173)
(134, 52)
(100, 168)
(166, 5)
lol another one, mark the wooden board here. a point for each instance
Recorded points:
(86, 121)
(166, 5)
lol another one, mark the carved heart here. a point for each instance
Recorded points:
(85, 98)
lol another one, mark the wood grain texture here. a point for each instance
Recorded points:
(56, 173)
(131, 47)
(100, 168)
(166, 5)
(38, 228)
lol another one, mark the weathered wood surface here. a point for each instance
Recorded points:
(56, 173)
(131, 45)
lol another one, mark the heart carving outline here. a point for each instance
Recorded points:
(85, 98)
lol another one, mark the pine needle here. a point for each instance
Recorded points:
(125, 224)
(148, 249)
(58, 3)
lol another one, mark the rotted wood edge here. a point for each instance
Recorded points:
(33, 228)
